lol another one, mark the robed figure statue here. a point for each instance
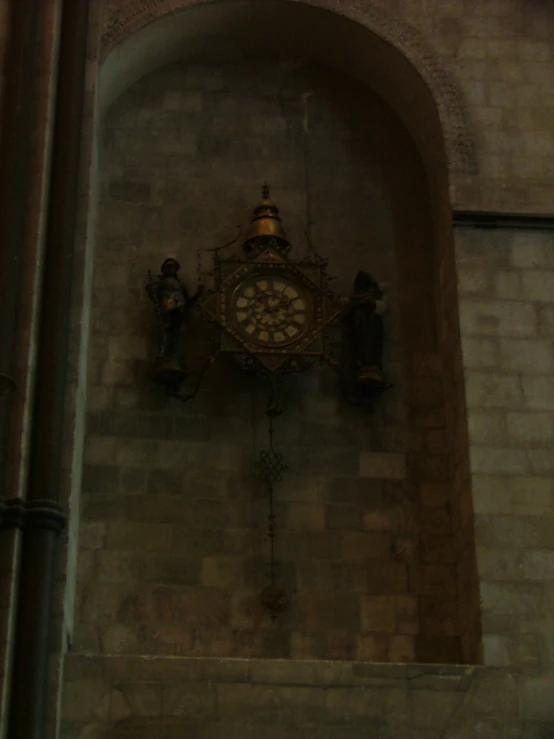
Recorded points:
(364, 314)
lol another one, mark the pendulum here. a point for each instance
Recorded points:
(274, 598)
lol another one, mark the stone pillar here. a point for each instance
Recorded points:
(29, 40)
(40, 148)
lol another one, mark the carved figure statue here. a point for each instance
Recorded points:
(173, 305)
(366, 308)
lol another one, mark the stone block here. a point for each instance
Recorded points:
(439, 617)
(327, 610)
(541, 461)
(283, 671)
(183, 100)
(434, 494)
(222, 572)
(128, 347)
(500, 564)
(100, 478)
(407, 614)
(387, 578)
(137, 453)
(136, 699)
(546, 319)
(378, 614)
(372, 647)
(302, 489)
(343, 517)
(401, 649)
(352, 704)
(486, 426)
(381, 521)
(493, 460)
(86, 699)
(226, 670)
(480, 353)
(427, 364)
(117, 567)
(533, 250)
(274, 704)
(517, 531)
(538, 565)
(361, 546)
(539, 393)
(305, 516)
(163, 481)
(508, 285)
(529, 357)
(100, 507)
(484, 390)
(100, 450)
(139, 537)
(538, 730)
(514, 599)
(171, 570)
(362, 491)
(91, 534)
(494, 694)
(428, 468)
(381, 465)
(159, 670)
(474, 281)
(134, 192)
(132, 480)
(189, 699)
(434, 580)
(437, 549)
(441, 650)
(433, 708)
(518, 495)
(538, 285)
(530, 428)
(497, 318)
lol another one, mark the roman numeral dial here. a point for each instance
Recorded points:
(272, 310)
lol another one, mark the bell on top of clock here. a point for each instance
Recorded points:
(266, 228)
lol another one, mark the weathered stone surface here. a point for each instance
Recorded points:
(283, 698)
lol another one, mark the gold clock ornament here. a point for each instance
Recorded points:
(271, 311)
(274, 314)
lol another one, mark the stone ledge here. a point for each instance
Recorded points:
(146, 695)
(319, 673)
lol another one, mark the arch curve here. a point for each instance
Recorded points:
(459, 141)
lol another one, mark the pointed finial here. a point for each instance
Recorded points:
(265, 191)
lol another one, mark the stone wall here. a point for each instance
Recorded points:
(173, 545)
(506, 282)
(499, 52)
(169, 698)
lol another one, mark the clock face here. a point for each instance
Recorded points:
(272, 311)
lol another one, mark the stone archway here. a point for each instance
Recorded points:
(426, 105)
(456, 134)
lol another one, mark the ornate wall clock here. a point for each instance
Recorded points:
(274, 315)
(271, 312)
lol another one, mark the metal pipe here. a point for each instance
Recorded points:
(18, 151)
(44, 517)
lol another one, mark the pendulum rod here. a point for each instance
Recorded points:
(271, 468)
